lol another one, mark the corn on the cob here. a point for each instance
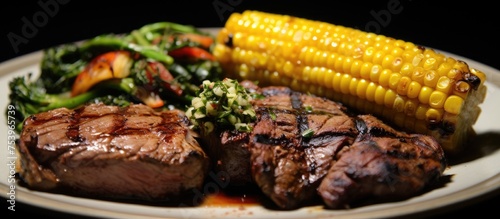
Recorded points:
(412, 87)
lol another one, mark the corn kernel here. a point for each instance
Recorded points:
(384, 77)
(461, 89)
(370, 91)
(394, 80)
(453, 104)
(410, 107)
(403, 85)
(437, 99)
(356, 68)
(418, 75)
(389, 98)
(414, 89)
(346, 65)
(339, 62)
(328, 78)
(444, 84)
(421, 111)
(434, 115)
(425, 94)
(387, 61)
(369, 53)
(380, 95)
(361, 89)
(366, 69)
(344, 83)
(375, 73)
(330, 62)
(306, 73)
(353, 86)
(407, 69)
(430, 78)
(399, 104)
(337, 78)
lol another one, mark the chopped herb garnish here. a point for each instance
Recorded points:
(308, 109)
(221, 104)
(308, 133)
(272, 114)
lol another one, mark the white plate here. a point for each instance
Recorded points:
(470, 179)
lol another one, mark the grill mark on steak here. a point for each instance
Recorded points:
(107, 151)
(348, 158)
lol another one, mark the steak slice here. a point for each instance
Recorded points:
(303, 148)
(381, 165)
(131, 152)
(287, 166)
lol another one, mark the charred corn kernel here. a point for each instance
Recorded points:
(461, 89)
(455, 74)
(479, 74)
(416, 88)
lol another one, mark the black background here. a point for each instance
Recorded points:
(468, 28)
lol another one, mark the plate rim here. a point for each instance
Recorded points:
(488, 187)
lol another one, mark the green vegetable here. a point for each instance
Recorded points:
(117, 43)
(29, 98)
(221, 104)
(156, 78)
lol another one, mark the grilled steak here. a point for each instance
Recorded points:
(304, 146)
(98, 150)
(381, 165)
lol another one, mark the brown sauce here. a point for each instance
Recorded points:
(238, 196)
